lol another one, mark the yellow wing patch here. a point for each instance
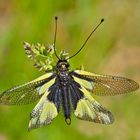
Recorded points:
(47, 75)
(84, 83)
(26, 93)
(89, 109)
(84, 110)
(44, 87)
(43, 113)
(105, 84)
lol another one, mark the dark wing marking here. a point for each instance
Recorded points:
(104, 84)
(89, 109)
(43, 113)
(55, 94)
(26, 93)
(47, 108)
(75, 93)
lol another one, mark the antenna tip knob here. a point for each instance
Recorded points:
(56, 17)
(102, 20)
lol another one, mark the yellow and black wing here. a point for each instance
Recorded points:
(104, 84)
(43, 113)
(27, 93)
(39, 89)
(48, 106)
(89, 109)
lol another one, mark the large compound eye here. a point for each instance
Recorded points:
(59, 65)
(62, 65)
(67, 65)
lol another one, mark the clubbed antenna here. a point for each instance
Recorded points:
(87, 39)
(55, 37)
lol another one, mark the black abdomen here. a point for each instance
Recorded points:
(65, 91)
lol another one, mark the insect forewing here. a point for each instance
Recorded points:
(104, 84)
(27, 93)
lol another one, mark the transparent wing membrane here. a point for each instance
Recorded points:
(26, 93)
(105, 84)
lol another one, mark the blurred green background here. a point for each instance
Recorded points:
(113, 49)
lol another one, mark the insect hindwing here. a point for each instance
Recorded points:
(89, 109)
(93, 84)
(45, 111)
(43, 114)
